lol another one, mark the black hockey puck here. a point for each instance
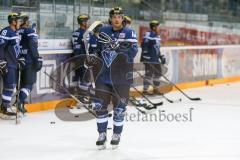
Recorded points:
(109, 128)
(52, 122)
(76, 116)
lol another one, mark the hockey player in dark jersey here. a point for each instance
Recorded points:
(93, 43)
(79, 49)
(93, 40)
(29, 50)
(10, 62)
(151, 56)
(112, 77)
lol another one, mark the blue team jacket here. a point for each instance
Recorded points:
(29, 45)
(78, 43)
(110, 57)
(150, 47)
(9, 47)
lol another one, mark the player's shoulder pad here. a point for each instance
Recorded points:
(106, 28)
(8, 34)
(76, 33)
(128, 35)
(146, 34)
(82, 31)
(21, 31)
(153, 34)
(92, 37)
(31, 32)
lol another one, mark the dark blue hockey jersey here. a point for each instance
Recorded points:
(77, 41)
(29, 45)
(9, 47)
(150, 47)
(92, 44)
(108, 55)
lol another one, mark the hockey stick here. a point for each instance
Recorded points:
(155, 105)
(169, 100)
(193, 99)
(90, 30)
(72, 96)
(17, 121)
(141, 111)
(138, 104)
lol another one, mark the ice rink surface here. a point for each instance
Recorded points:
(212, 133)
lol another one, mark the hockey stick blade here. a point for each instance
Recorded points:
(154, 106)
(150, 108)
(190, 98)
(138, 104)
(195, 99)
(145, 97)
(172, 101)
(91, 29)
(141, 111)
(169, 100)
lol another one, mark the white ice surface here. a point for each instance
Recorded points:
(213, 134)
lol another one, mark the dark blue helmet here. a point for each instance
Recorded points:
(13, 17)
(81, 18)
(115, 10)
(154, 23)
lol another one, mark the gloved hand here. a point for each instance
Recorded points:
(21, 63)
(114, 45)
(108, 41)
(3, 67)
(96, 106)
(125, 45)
(38, 64)
(91, 60)
(162, 59)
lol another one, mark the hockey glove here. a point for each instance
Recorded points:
(91, 60)
(38, 64)
(21, 63)
(108, 41)
(96, 106)
(3, 67)
(125, 45)
(162, 59)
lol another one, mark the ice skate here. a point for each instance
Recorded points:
(7, 113)
(115, 140)
(101, 142)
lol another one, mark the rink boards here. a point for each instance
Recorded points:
(188, 66)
